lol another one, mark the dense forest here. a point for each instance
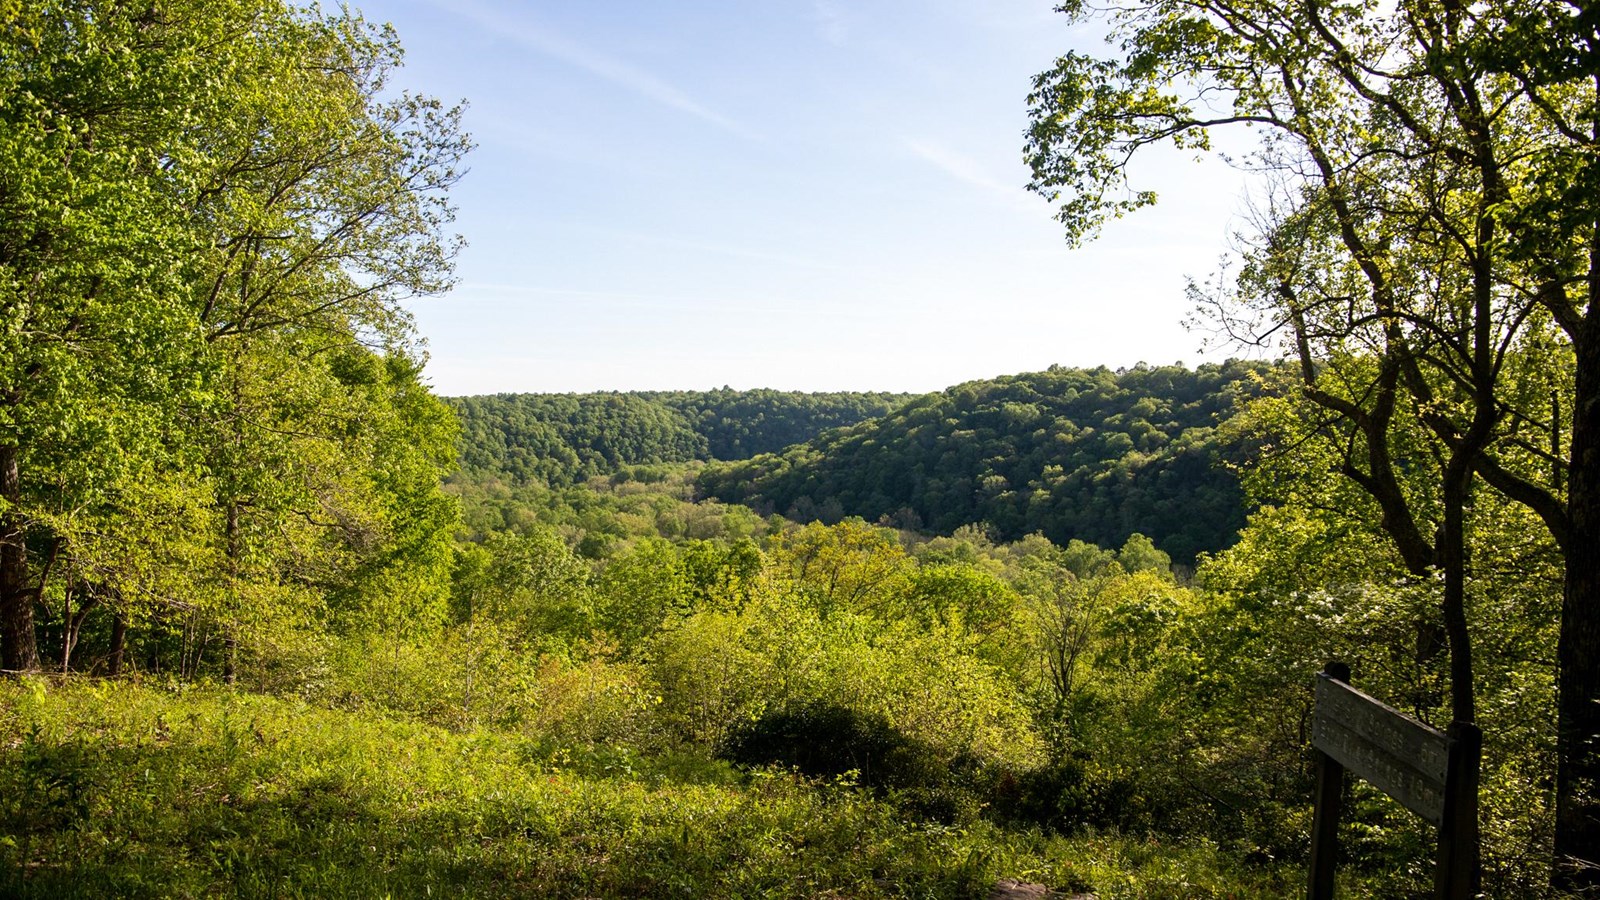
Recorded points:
(275, 620)
(564, 439)
(1075, 454)
(215, 432)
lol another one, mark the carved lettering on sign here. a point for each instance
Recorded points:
(1400, 756)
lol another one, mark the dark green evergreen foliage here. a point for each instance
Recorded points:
(1087, 454)
(563, 439)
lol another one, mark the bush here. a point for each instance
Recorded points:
(1067, 796)
(843, 745)
(826, 740)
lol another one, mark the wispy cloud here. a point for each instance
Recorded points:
(685, 242)
(719, 248)
(557, 46)
(738, 302)
(963, 168)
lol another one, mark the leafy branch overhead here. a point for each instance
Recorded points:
(1427, 247)
(209, 400)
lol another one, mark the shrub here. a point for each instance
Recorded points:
(826, 740)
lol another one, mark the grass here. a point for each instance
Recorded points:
(122, 790)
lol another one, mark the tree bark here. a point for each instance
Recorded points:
(67, 636)
(72, 623)
(1578, 653)
(1452, 553)
(19, 649)
(230, 660)
(119, 644)
(152, 651)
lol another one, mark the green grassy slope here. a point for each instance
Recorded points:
(110, 789)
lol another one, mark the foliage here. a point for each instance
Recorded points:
(1085, 454)
(562, 439)
(213, 437)
(120, 790)
(219, 462)
(785, 655)
(606, 515)
(742, 424)
(1428, 249)
(565, 439)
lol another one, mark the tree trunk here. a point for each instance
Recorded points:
(1452, 554)
(230, 661)
(119, 643)
(67, 636)
(19, 650)
(152, 650)
(1578, 653)
(1463, 835)
(72, 623)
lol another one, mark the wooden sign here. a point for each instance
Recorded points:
(1399, 755)
(1432, 773)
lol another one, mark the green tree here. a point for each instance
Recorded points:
(1314, 577)
(99, 346)
(533, 584)
(1138, 554)
(639, 591)
(206, 226)
(1437, 164)
(849, 566)
(1085, 454)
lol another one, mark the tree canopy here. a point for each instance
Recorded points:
(563, 439)
(1427, 248)
(211, 423)
(1086, 454)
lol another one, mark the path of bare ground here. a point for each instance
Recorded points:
(1008, 889)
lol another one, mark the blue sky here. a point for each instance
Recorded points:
(800, 194)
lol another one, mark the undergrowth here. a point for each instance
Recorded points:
(122, 790)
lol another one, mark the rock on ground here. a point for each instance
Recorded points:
(1009, 889)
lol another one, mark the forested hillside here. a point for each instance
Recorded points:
(1086, 454)
(741, 424)
(563, 439)
(253, 644)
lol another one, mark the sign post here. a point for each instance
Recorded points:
(1432, 773)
